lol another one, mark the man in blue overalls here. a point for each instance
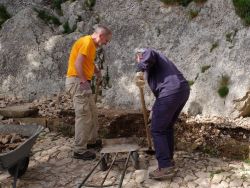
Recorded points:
(171, 90)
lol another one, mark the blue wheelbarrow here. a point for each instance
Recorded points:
(17, 160)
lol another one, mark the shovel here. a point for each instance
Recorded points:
(97, 90)
(145, 116)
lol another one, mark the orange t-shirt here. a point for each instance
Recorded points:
(85, 46)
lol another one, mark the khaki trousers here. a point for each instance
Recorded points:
(86, 122)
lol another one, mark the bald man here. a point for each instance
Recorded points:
(81, 68)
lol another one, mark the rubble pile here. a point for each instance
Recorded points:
(223, 122)
(54, 106)
(9, 142)
(210, 136)
(9, 100)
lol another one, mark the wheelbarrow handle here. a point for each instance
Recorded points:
(145, 116)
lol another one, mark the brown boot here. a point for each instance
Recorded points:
(162, 173)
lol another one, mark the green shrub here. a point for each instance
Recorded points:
(200, 1)
(223, 91)
(214, 45)
(4, 15)
(230, 36)
(224, 80)
(190, 82)
(56, 4)
(204, 68)
(247, 161)
(89, 3)
(67, 29)
(181, 2)
(223, 88)
(242, 8)
(47, 17)
(193, 13)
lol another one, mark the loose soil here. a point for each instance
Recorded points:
(215, 137)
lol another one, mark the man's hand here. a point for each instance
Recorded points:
(139, 79)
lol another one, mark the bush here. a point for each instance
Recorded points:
(90, 3)
(56, 4)
(182, 2)
(223, 89)
(200, 1)
(67, 29)
(231, 35)
(214, 45)
(224, 80)
(204, 68)
(242, 8)
(190, 82)
(4, 15)
(193, 13)
(47, 17)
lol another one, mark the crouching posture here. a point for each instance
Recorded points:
(171, 91)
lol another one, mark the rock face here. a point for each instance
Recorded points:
(207, 48)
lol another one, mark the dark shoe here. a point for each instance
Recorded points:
(162, 173)
(87, 155)
(96, 145)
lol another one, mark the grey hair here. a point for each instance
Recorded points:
(139, 50)
(103, 29)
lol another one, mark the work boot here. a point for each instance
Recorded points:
(97, 145)
(162, 173)
(87, 155)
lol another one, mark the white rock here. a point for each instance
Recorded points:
(140, 176)
(236, 183)
(217, 178)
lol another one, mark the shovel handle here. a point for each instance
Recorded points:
(145, 116)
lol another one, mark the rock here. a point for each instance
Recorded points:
(236, 183)
(190, 178)
(235, 149)
(217, 178)
(32, 120)
(194, 109)
(140, 176)
(242, 105)
(19, 111)
(32, 49)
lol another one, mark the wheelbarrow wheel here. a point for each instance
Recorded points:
(135, 159)
(20, 167)
(104, 163)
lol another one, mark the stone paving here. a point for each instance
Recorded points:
(51, 165)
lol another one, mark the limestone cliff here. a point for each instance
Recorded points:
(212, 49)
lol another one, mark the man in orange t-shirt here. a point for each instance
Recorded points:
(81, 68)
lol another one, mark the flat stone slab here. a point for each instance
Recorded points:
(19, 111)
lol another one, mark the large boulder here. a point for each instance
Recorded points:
(33, 60)
(215, 39)
(208, 48)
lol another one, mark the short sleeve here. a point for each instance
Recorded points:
(84, 49)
